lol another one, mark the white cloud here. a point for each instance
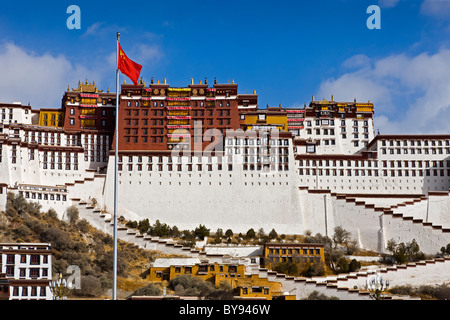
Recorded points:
(436, 8)
(40, 79)
(357, 61)
(147, 53)
(411, 94)
(101, 29)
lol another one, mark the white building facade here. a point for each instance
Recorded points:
(28, 267)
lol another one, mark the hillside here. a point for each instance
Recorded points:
(76, 242)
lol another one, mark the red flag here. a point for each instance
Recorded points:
(128, 67)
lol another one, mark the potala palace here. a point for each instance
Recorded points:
(206, 154)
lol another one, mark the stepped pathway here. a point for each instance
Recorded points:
(104, 222)
(397, 211)
(352, 286)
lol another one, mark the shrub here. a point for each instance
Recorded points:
(72, 214)
(315, 295)
(21, 205)
(188, 285)
(224, 292)
(148, 290)
(132, 224)
(83, 226)
(104, 261)
(59, 239)
(23, 232)
(52, 213)
(441, 292)
(90, 287)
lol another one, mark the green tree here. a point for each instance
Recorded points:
(261, 233)
(354, 266)
(174, 232)
(340, 236)
(201, 232)
(273, 234)
(143, 226)
(229, 233)
(218, 236)
(132, 224)
(250, 234)
(403, 253)
(159, 229)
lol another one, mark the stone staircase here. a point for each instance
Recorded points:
(352, 286)
(104, 222)
(397, 211)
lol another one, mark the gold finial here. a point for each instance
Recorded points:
(192, 80)
(254, 91)
(165, 81)
(232, 81)
(332, 97)
(312, 97)
(157, 81)
(200, 81)
(124, 81)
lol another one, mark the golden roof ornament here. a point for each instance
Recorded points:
(86, 87)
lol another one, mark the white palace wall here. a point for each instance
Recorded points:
(235, 199)
(373, 227)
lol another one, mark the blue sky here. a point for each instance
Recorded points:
(285, 50)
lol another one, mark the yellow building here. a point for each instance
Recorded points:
(270, 118)
(51, 118)
(168, 269)
(245, 286)
(254, 287)
(275, 253)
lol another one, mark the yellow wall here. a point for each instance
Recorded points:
(292, 254)
(248, 286)
(206, 271)
(51, 118)
(280, 119)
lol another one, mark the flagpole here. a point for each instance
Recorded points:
(116, 167)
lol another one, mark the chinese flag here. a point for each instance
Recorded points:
(128, 67)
